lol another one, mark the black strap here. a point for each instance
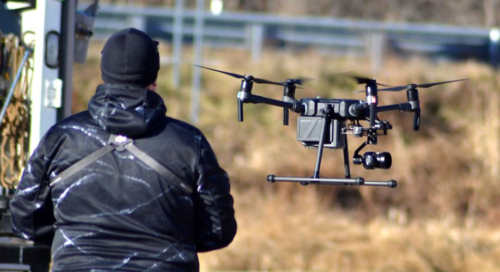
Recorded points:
(82, 164)
(120, 143)
(160, 169)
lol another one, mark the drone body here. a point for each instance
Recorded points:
(323, 123)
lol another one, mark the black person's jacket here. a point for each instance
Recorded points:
(118, 213)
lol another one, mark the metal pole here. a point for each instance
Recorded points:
(375, 48)
(178, 20)
(257, 38)
(198, 58)
(14, 83)
(68, 51)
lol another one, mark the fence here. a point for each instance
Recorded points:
(253, 31)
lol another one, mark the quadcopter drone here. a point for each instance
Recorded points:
(323, 123)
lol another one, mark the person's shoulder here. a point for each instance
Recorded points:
(181, 126)
(72, 128)
(79, 122)
(77, 117)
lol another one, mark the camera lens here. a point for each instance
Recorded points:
(372, 160)
(384, 159)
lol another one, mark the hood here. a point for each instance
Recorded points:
(126, 110)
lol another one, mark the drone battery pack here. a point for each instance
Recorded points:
(309, 132)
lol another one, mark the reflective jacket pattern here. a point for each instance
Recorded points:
(118, 213)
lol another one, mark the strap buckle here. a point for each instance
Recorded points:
(119, 141)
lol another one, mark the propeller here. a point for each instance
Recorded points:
(288, 82)
(246, 87)
(253, 79)
(413, 96)
(361, 80)
(297, 81)
(414, 86)
(365, 80)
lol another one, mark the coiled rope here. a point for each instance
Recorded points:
(14, 128)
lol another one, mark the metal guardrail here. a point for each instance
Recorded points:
(252, 31)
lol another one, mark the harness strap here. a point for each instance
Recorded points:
(160, 169)
(120, 143)
(82, 163)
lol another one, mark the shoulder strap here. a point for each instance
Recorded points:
(120, 143)
(82, 163)
(160, 169)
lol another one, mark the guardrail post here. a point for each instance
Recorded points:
(255, 38)
(494, 39)
(177, 46)
(375, 43)
(137, 21)
(197, 59)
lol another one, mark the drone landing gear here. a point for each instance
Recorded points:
(332, 181)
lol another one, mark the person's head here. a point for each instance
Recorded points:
(130, 57)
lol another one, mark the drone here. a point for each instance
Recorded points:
(326, 123)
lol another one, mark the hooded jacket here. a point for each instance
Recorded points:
(118, 213)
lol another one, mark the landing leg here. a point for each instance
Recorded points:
(326, 115)
(347, 169)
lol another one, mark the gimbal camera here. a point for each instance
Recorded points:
(323, 123)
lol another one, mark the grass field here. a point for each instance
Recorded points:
(443, 216)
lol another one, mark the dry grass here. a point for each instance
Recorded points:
(299, 234)
(443, 215)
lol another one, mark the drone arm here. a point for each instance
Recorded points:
(255, 99)
(409, 106)
(358, 108)
(396, 107)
